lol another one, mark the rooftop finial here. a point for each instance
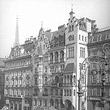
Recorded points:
(71, 12)
(71, 7)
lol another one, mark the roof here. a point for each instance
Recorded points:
(104, 29)
(69, 67)
(1, 62)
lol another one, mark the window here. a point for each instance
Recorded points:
(56, 103)
(74, 79)
(56, 91)
(79, 37)
(51, 102)
(74, 92)
(82, 38)
(61, 103)
(85, 39)
(62, 67)
(45, 68)
(56, 56)
(51, 58)
(45, 102)
(72, 27)
(71, 52)
(67, 92)
(45, 91)
(71, 37)
(45, 79)
(69, 28)
(82, 52)
(51, 92)
(70, 92)
(35, 81)
(71, 79)
(94, 92)
(64, 92)
(61, 56)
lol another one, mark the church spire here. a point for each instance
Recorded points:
(16, 43)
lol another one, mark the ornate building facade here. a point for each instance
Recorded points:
(48, 58)
(99, 46)
(43, 73)
(2, 75)
(76, 41)
(18, 75)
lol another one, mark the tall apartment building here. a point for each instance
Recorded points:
(76, 40)
(2, 66)
(99, 45)
(48, 66)
(18, 75)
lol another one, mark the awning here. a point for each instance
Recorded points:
(69, 68)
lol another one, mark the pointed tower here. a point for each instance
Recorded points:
(16, 43)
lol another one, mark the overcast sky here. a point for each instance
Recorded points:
(52, 12)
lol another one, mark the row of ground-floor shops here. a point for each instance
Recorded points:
(96, 104)
(14, 103)
(38, 104)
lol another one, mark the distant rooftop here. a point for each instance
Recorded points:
(1, 62)
(104, 29)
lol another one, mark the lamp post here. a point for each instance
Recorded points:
(80, 94)
(22, 98)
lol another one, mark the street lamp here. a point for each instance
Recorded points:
(80, 94)
(22, 98)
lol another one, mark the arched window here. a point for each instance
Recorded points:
(15, 106)
(56, 56)
(45, 102)
(71, 79)
(56, 79)
(51, 58)
(61, 103)
(56, 103)
(45, 91)
(51, 102)
(35, 80)
(35, 91)
(61, 56)
(70, 92)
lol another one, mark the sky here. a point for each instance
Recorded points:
(53, 13)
